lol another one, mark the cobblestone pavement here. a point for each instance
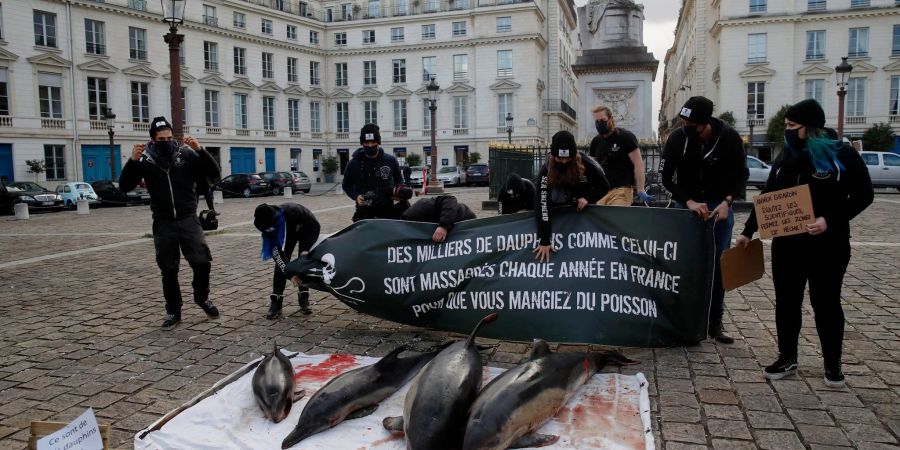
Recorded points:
(81, 330)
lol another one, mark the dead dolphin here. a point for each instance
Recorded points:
(273, 385)
(520, 400)
(434, 412)
(355, 393)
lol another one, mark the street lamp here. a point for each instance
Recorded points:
(843, 73)
(173, 14)
(509, 121)
(111, 129)
(751, 117)
(434, 186)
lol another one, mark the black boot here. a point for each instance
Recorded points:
(303, 301)
(275, 302)
(716, 332)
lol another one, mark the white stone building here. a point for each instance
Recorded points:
(277, 84)
(762, 54)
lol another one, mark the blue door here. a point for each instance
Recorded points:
(270, 160)
(95, 162)
(6, 163)
(242, 160)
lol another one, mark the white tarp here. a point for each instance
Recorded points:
(611, 411)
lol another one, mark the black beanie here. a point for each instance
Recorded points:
(807, 113)
(697, 109)
(158, 123)
(264, 217)
(563, 145)
(369, 132)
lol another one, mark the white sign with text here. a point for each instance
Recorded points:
(82, 433)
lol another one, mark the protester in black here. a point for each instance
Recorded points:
(840, 187)
(284, 227)
(515, 195)
(370, 177)
(444, 210)
(708, 158)
(616, 149)
(171, 172)
(569, 177)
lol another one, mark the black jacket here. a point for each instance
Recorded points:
(378, 175)
(172, 187)
(301, 225)
(705, 173)
(515, 195)
(443, 210)
(592, 187)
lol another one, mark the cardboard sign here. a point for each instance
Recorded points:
(785, 212)
(82, 433)
(742, 266)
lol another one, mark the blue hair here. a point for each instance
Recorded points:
(822, 149)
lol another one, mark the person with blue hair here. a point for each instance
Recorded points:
(840, 187)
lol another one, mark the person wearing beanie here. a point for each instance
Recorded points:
(704, 166)
(370, 176)
(515, 195)
(172, 172)
(616, 149)
(443, 210)
(568, 177)
(284, 227)
(840, 188)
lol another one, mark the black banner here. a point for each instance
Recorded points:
(620, 276)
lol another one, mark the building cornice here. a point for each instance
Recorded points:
(846, 14)
(536, 37)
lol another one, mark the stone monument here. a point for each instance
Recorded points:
(614, 68)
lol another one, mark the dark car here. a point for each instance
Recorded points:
(34, 195)
(478, 174)
(278, 181)
(111, 195)
(242, 185)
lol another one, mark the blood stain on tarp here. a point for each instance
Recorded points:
(325, 370)
(603, 416)
(394, 437)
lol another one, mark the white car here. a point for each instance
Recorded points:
(759, 172)
(74, 191)
(884, 168)
(417, 175)
(452, 176)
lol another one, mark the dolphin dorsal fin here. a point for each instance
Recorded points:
(487, 319)
(539, 349)
(394, 354)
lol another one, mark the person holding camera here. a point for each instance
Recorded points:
(444, 210)
(171, 172)
(370, 177)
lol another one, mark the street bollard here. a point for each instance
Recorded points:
(217, 198)
(84, 207)
(288, 192)
(21, 211)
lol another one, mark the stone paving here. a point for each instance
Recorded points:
(82, 330)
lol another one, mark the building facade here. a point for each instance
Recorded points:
(751, 57)
(276, 84)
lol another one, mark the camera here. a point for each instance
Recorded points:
(369, 198)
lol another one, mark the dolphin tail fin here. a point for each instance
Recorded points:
(487, 319)
(539, 348)
(274, 346)
(391, 356)
(613, 357)
(393, 424)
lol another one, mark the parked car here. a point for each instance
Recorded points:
(884, 168)
(416, 178)
(759, 172)
(302, 182)
(278, 181)
(73, 191)
(452, 176)
(242, 185)
(110, 194)
(34, 195)
(478, 174)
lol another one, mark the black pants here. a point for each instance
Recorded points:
(381, 211)
(306, 238)
(172, 238)
(822, 261)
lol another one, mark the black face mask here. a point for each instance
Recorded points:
(371, 151)
(691, 132)
(166, 148)
(793, 140)
(602, 126)
(561, 167)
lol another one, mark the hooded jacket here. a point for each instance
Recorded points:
(592, 187)
(443, 210)
(378, 175)
(515, 195)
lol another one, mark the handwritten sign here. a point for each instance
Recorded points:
(82, 433)
(785, 212)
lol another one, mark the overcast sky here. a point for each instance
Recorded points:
(659, 33)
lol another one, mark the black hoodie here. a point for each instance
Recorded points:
(592, 187)
(443, 210)
(378, 175)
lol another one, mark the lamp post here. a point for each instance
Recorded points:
(751, 117)
(509, 121)
(843, 73)
(173, 14)
(434, 186)
(111, 130)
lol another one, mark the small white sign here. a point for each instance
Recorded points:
(563, 153)
(686, 112)
(82, 433)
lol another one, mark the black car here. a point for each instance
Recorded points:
(242, 185)
(34, 195)
(278, 181)
(478, 174)
(111, 195)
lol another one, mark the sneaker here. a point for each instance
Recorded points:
(303, 300)
(717, 332)
(782, 367)
(834, 378)
(170, 322)
(211, 311)
(275, 302)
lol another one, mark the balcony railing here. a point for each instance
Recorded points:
(815, 5)
(316, 135)
(426, 132)
(342, 135)
(98, 124)
(5, 121)
(53, 123)
(559, 105)
(213, 130)
(399, 133)
(242, 132)
(140, 126)
(295, 134)
(460, 131)
(757, 122)
(270, 133)
(212, 21)
(894, 118)
(856, 120)
(303, 9)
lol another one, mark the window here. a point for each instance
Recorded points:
(504, 107)
(94, 37)
(314, 73)
(756, 98)
(856, 97)
(460, 112)
(211, 108)
(268, 113)
(426, 115)
(314, 117)
(137, 43)
(140, 102)
(340, 38)
(432, 5)
(293, 115)
(369, 75)
(815, 44)
(815, 5)
(314, 37)
(871, 159)
(240, 20)
(891, 160)
(859, 43)
(428, 68)
(859, 3)
(340, 74)
(44, 29)
(401, 7)
(504, 63)
(397, 34)
(368, 36)
(4, 91)
(211, 56)
(1, 21)
(460, 67)
(240, 111)
(268, 65)
(893, 102)
(399, 71)
(756, 48)
(292, 32)
(399, 115)
(370, 111)
(343, 117)
(504, 24)
(374, 8)
(428, 32)
(240, 61)
(459, 29)
(346, 11)
(181, 55)
(293, 75)
(50, 95)
(55, 162)
(895, 43)
(329, 14)
(757, 6)
(814, 90)
(266, 26)
(209, 16)
(97, 100)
